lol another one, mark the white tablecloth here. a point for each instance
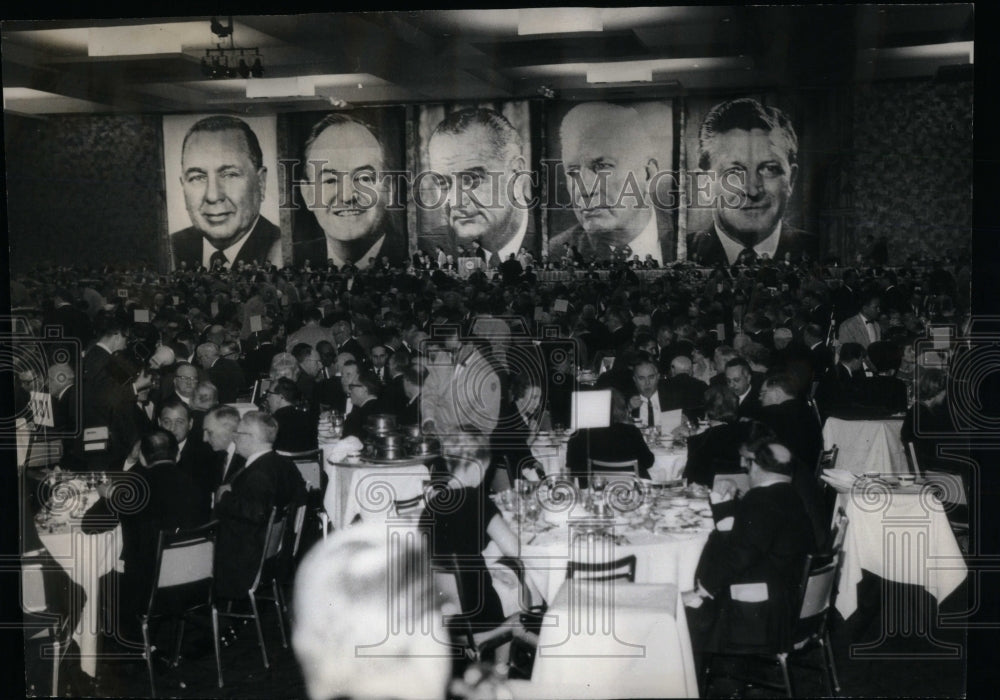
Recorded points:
(613, 640)
(368, 491)
(902, 535)
(85, 558)
(668, 461)
(867, 445)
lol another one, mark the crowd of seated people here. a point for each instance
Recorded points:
(771, 342)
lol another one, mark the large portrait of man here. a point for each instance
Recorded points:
(349, 199)
(620, 207)
(222, 213)
(749, 154)
(475, 198)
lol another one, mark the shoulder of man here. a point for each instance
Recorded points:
(705, 247)
(259, 242)
(186, 245)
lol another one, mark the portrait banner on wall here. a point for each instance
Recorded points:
(474, 189)
(347, 175)
(221, 177)
(744, 183)
(613, 190)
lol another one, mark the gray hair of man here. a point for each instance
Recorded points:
(263, 426)
(365, 617)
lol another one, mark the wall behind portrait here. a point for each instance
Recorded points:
(431, 224)
(387, 126)
(83, 189)
(657, 118)
(175, 127)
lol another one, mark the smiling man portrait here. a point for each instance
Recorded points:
(752, 153)
(223, 179)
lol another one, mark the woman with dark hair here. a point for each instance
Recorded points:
(717, 450)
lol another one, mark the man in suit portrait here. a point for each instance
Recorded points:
(347, 191)
(477, 159)
(752, 152)
(223, 179)
(608, 155)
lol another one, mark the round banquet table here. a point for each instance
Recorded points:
(668, 461)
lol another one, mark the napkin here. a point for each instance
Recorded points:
(339, 451)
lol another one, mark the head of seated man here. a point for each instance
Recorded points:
(365, 621)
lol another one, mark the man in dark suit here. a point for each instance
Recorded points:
(791, 419)
(740, 379)
(364, 397)
(73, 322)
(194, 457)
(649, 395)
(491, 209)
(608, 152)
(223, 177)
(884, 393)
(681, 390)
(841, 388)
(168, 506)
(224, 373)
(346, 342)
(348, 196)
(297, 425)
(243, 505)
(219, 429)
(752, 151)
(747, 577)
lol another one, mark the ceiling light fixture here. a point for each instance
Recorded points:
(626, 72)
(227, 62)
(559, 20)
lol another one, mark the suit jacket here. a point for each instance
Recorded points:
(199, 463)
(852, 330)
(356, 422)
(797, 428)
(228, 379)
(750, 406)
(616, 443)
(314, 249)
(839, 390)
(683, 391)
(73, 322)
(296, 430)
(768, 543)
(715, 451)
(704, 247)
(587, 247)
(271, 480)
(886, 394)
(186, 245)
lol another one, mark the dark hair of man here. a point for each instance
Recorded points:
(301, 351)
(312, 314)
(745, 114)
(502, 137)
(370, 383)
(415, 375)
(932, 382)
(767, 460)
(176, 405)
(225, 123)
(739, 362)
(721, 403)
(758, 353)
(288, 390)
(851, 351)
(157, 446)
(886, 356)
(812, 330)
(107, 324)
(399, 360)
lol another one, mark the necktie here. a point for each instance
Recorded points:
(747, 256)
(649, 413)
(218, 258)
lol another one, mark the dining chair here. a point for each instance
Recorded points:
(408, 508)
(472, 643)
(951, 489)
(270, 571)
(42, 621)
(308, 464)
(623, 568)
(628, 466)
(184, 584)
(827, 460)
(810, 628)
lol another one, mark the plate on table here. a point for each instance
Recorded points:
(396, 462)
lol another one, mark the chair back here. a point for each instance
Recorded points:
(817, 589)
(184, 569)
(911, 457)
(308, 464)
(408, 508)
(623, 568)
(274, 541)
(299, 521)
(839, 530)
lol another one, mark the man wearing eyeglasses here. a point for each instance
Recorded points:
(194, 457)
(243, 505)
(363, 392)
(185, 381)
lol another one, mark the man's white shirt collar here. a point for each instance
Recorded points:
(207, 249)
(733, 248)
(514, 244)
(746, 394)
(648, 241)
(361, 264)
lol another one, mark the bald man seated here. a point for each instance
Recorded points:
(682, 390)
